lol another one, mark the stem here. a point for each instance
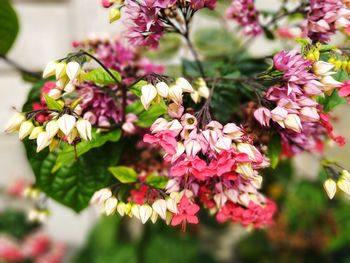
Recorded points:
(20, 68)
(195, 54)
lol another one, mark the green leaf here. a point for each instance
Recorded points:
(101, 77)
(124, 174)
(52, 103)
(67, 155)
(330, 102)
(154, 112)
(274, 150)
(136, 88)
(9, 26)
(73, 185)
(157, 181)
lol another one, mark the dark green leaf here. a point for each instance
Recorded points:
(52, 103)
(101, 77)
(73, 185)
(9, 26)
(124, 174)
(274, 150)
(157, 181)
(67, 155)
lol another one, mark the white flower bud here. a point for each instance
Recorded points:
(184, 84)
(145, 213)
(101, 196)
(52, 128)
(149, 92)
(172, 205)
(66, 123)
(42, 141)
(321, 68)
(121, 208)
(15, 122)
(55, 93)
(331, 188)
(154, 217)
(114, 15)
(163, 89)
(50, 69)
(111, 205)
(69, 88)
(35, 132)
(73, 70)
(25, 129)
(135, 210)
(293, 122)
(245, 169)
(84, 129)
(204, 91)
(195, 97)
(160, 207)
(54, 144)
(344, 186)
(60, 70)
(72, 136)
(175, 94)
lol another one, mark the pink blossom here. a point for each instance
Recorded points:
(263, 116)
(165, 139)
(191, 166)
(187, 213)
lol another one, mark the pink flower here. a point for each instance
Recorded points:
(36, 245)
(10, 250)
(263, 116)
(191, 166)
(107, 3)
(344, 90)
(187, 213)
(166, 140)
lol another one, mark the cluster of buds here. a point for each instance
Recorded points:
(174, 209)
(67, 77)
(114, 11)
(60, 127)
(342, 182)
(174, 94)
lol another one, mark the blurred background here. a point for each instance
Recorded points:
(47, 29)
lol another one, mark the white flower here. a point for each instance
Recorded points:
(145, 213)
(66, 123)
(160, 207)
(15, 122)
(149, 92)
(195, 97)
(50, 69)
(101, 196)
(42, 141)
(331, 187)
(321, 68)
(55, 93)
(172, 205)
(135, 210)
(293, 122)
(111, 205)
(163, 89)
(175, 94)
(121, 208)
(73, 70)
(60, 70)
(25, 129)
(69, 88)
(84, 129)
(184, 85)
(72, 135)
(344, 185)
(35, 132)
(52, 128)
(204, 91)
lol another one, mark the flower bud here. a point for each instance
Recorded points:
(184, 85)
(344, 186)
(101, 196)
(172, 205)
(160, 207)
(149, 92)
(121, 208)
(321, 68)
(175, 94)
(233, 131)
(135, 210)
(72, 136)
(66, 123)
(154, 217)
(52, 128)
(145, 213)
(330, 83)
(169, 216)
(69, 88)
(293, 122)
(263, 116)
(204, 91)
(50, 69)
(60, 70)
(84, 129)
(245, 169)
(35, 132)
(331, 187)
(73, 70)
(25, 129)
(55, 93)
(279, 114)
(111, 205)
(114, 15)
(163, 89)
(195, 97)
(309, 114)
(15, 122)
(175, 110)
(54, 144)
(42, 141)
(345, 175)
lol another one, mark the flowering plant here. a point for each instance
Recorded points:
(107, 126)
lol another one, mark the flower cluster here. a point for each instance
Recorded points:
(148, 20)
(36, 247)
(245, 14)
(292, 105)
(325, 17)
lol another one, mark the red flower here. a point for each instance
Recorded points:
(187, 213)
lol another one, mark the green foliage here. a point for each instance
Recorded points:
(332, 101)
(67, 154)
(9, 26)
(136, 88)
(52, 104)
(101, 77)
(157, 181)
(16, 224)
(146, 118)
(73, 184)
(169, 46)
(274, 150)
(124, 174)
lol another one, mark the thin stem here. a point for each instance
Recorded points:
(18, 67)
